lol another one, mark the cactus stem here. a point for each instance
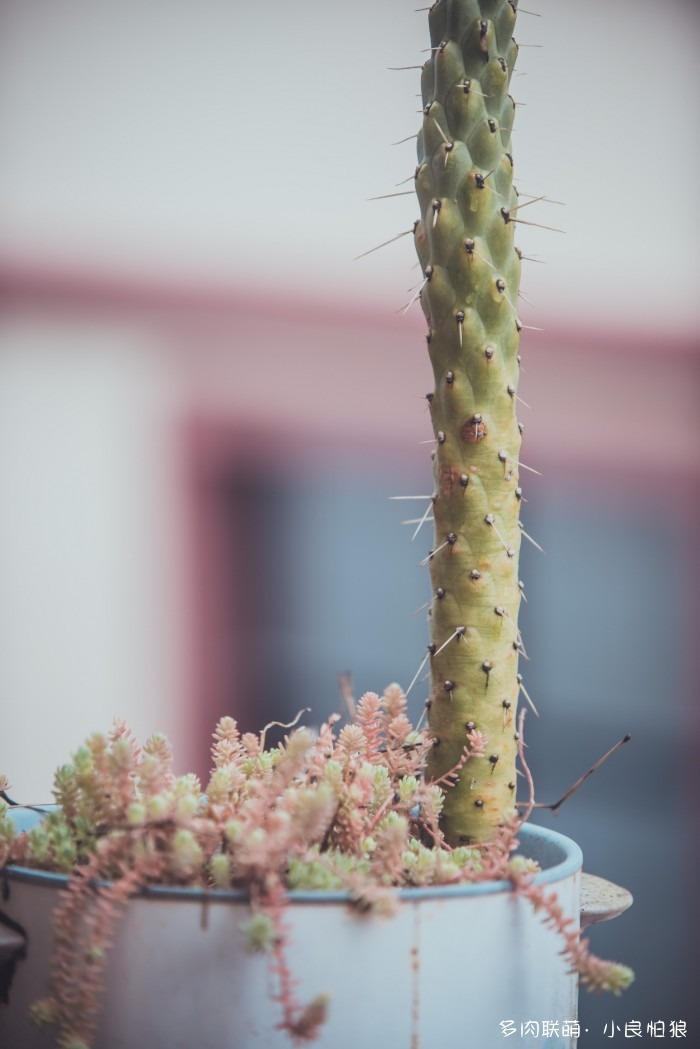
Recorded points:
(465, 195)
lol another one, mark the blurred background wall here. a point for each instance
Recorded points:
(205, 403)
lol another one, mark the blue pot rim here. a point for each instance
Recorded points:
(562, 859)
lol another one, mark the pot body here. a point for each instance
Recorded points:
(458, 966)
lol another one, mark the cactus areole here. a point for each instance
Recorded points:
(471, 269)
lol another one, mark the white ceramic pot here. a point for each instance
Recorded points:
(451, 967)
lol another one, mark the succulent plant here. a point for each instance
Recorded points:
(347, 809)
(471, 269)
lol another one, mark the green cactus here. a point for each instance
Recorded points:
(471, 268)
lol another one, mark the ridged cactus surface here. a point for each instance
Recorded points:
(471, 269)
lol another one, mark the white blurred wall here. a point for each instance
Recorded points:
(88, 559)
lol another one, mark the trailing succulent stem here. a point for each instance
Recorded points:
(471, 268)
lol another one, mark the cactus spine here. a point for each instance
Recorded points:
(471, 268)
